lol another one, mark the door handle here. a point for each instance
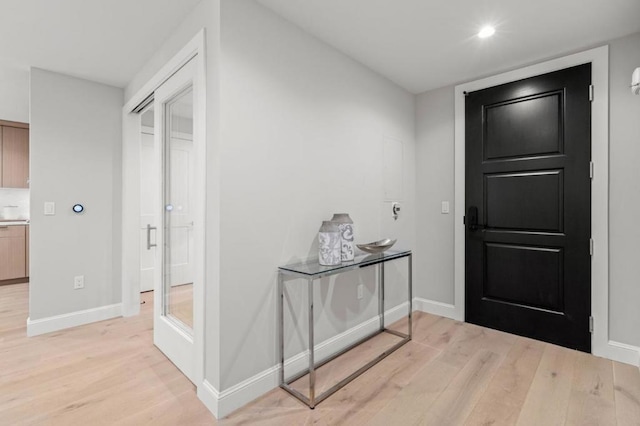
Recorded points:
(149, 228)
(472, 220)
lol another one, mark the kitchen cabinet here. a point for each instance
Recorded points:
(13, 252)
(14, 155)
(26, 253)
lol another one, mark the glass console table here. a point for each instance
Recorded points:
(311, 271)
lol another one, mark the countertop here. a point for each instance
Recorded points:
(4, 222)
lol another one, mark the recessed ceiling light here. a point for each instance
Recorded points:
(487, 31)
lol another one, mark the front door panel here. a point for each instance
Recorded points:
(528, 266)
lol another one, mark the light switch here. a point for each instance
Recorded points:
(445, 207)
(49, 208)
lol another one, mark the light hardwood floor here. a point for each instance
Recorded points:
(98, 374)
(450, 374)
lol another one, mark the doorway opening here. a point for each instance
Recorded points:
(14, 216)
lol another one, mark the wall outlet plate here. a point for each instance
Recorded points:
(360, 291)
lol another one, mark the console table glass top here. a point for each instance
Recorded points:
(313, 269)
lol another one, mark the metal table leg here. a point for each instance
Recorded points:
(281, 325)
(410, 281)
(312, 370)
(381, 295)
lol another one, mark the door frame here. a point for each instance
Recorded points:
(131, 127)
(599, 59)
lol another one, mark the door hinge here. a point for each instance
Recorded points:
(591, 169)
(590, 324)
(590, 246)
(591, 92)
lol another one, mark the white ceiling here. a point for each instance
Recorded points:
(426, 44)
(101, 40)
(419, 44)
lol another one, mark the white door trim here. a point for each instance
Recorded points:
(599, 59)
(194, 50)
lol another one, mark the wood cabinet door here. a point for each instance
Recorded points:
(15, 157)
(26, 252)
(12, 252)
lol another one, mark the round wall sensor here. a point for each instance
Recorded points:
(78, 208)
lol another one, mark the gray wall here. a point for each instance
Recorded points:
(434, 162)
(304, 130)
(434, 184)
(624, 193)
(14, 92)
(76, 137)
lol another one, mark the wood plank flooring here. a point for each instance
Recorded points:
(106, 373)
(452, 373)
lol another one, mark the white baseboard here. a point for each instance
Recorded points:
(436, 308)
(223, 403)
(620, 352)
(72, 319)
(209, 397)
(131, 310)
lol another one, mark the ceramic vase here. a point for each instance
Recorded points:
(345, 224)
(329, 244)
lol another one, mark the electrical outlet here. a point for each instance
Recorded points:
(78, 282)
(360, 291)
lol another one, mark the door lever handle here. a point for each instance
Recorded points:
(472, 221)
(149, 245)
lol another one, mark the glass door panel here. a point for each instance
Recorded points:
(178, 262)
(176, 323)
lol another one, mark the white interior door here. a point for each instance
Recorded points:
(173, 278)
(149, 184)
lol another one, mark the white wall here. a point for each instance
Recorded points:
(303, 135)
(76, 136)
(434, 161)
(14, 92)
(205, 15)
